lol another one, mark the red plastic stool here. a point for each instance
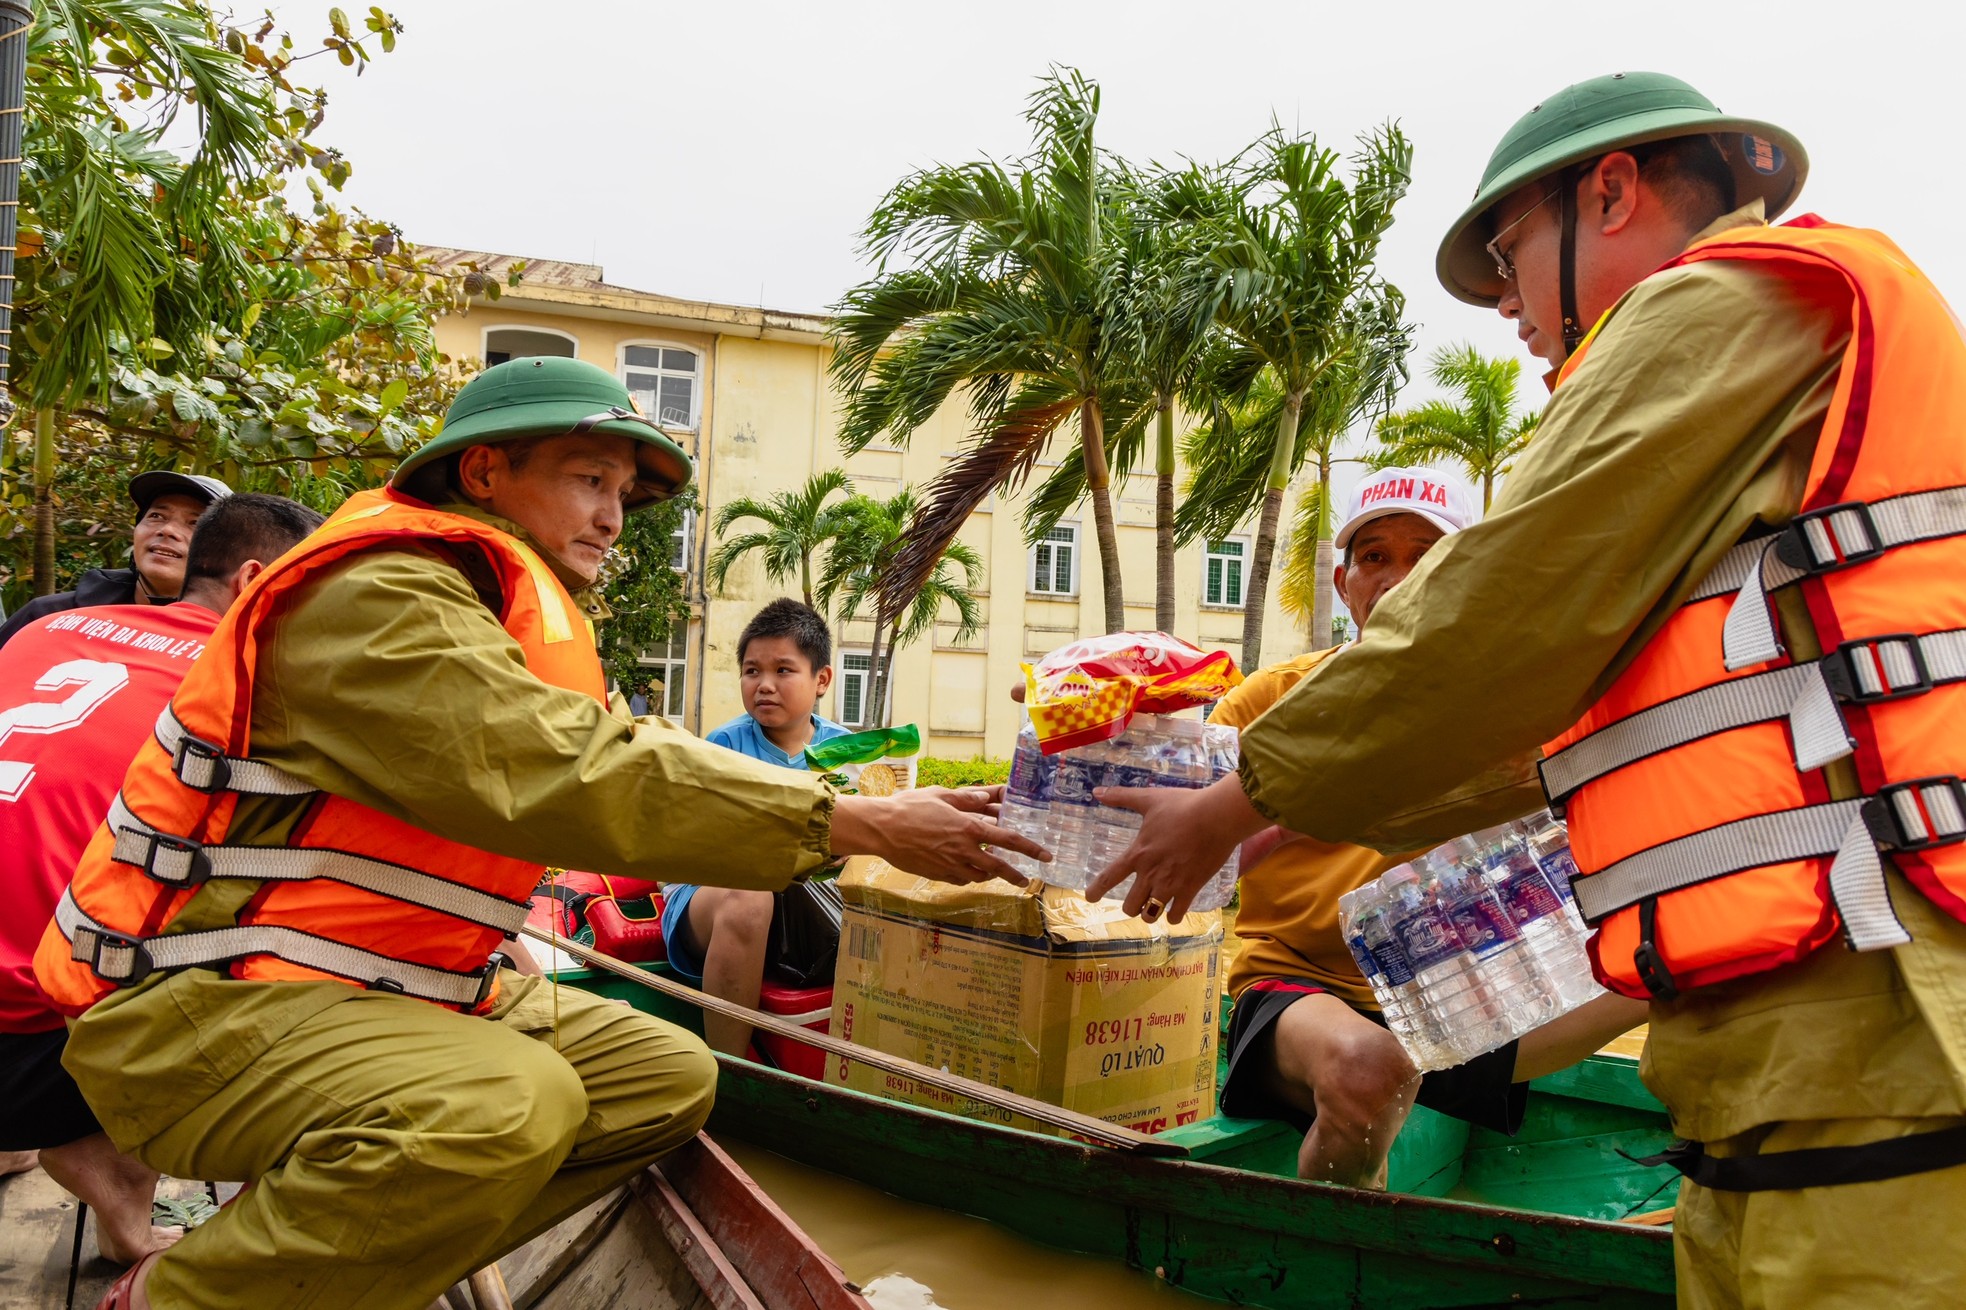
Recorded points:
(809, 1007)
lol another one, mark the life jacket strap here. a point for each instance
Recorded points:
(1866, 671)
(1823, 541)
(127, 960)
(1821, 1166)
(1846, 830)
(180, 862)
(204, 766)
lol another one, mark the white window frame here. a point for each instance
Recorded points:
(621, 367)
(861, 677)
(680, 560)
(484, 338)
(1210, 554)
(674, 656)
(1031, 575)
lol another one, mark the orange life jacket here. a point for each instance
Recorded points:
(354, 894)
(1707, 839)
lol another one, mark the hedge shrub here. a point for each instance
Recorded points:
(978, 772)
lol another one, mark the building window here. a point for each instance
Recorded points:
(855, 690)
(1055, 562)
(668, 666)
(1222, 568)
(503, 345)
(679, 542)
(662, 379)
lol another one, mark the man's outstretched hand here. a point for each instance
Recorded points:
(938, 832)
(1184, 837)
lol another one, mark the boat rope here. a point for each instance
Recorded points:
(1080, 1126)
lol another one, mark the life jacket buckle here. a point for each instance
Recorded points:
(1647, 960)
(196, 753)
(1857, 672)
(197, 866)
(91, 944)
(487, 979)
(1831, 538)
(1918, 815)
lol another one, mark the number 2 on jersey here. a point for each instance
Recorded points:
(92, 683)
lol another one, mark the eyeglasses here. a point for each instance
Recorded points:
(1504, 260)
(613, 414)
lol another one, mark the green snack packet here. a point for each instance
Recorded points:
(878, 762)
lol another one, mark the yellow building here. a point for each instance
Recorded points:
(746, 392)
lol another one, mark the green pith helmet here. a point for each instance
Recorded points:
(1594, 118)
(549, 396)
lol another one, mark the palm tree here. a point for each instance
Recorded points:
(797, 523)
(873, 532)
(137, 247)
(1235, 458)
(1480, 430)
(1162, 336)
(1009, 291)
(1293, 249)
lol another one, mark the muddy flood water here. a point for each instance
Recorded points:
(914, 1257)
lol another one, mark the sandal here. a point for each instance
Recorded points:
(122, 1292)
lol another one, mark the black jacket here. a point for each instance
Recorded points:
(96, 587)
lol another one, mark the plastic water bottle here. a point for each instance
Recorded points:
(1549, 842)
(1453, 993)
(1054, 798)
(1365, 919)
(1548, 933)
(1026, 805)
(1523, 998)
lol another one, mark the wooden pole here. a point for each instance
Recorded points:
(1082, 1126)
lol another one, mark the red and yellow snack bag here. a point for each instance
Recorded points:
(1090, 690)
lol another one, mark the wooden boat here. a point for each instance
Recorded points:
(1472, 1218)
(691, 1233)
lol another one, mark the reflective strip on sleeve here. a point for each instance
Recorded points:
(179, 862)
(125, 961)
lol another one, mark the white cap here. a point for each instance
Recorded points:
(1440, 498)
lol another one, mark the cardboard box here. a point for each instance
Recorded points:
(1034, 990)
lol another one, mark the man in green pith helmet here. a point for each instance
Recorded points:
(1736, 556)
(284, 949)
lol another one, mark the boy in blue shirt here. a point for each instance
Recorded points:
(716, 937)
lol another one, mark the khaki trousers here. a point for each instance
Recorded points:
(394, 1147)
(1888, 1245)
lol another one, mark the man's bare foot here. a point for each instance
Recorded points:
(18, 1162)
(132, 1295)
(128, 1248)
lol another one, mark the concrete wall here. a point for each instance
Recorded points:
(768, 421)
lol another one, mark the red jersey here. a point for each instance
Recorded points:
(79, 691)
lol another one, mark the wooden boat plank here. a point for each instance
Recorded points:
(722, 1286)
(37, 1233)
(533, 1269)
(633, 1267)
(783, 1266)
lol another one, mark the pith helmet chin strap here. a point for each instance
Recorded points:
(1573, 324)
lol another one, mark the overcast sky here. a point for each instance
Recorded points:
(730, 151)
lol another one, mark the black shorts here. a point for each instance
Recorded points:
(1483, 1091)
(40, 1105)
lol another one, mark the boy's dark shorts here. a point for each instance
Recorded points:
(1483, 1091)
(40, 1105)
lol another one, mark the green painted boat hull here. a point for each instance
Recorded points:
(1474, 1218)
